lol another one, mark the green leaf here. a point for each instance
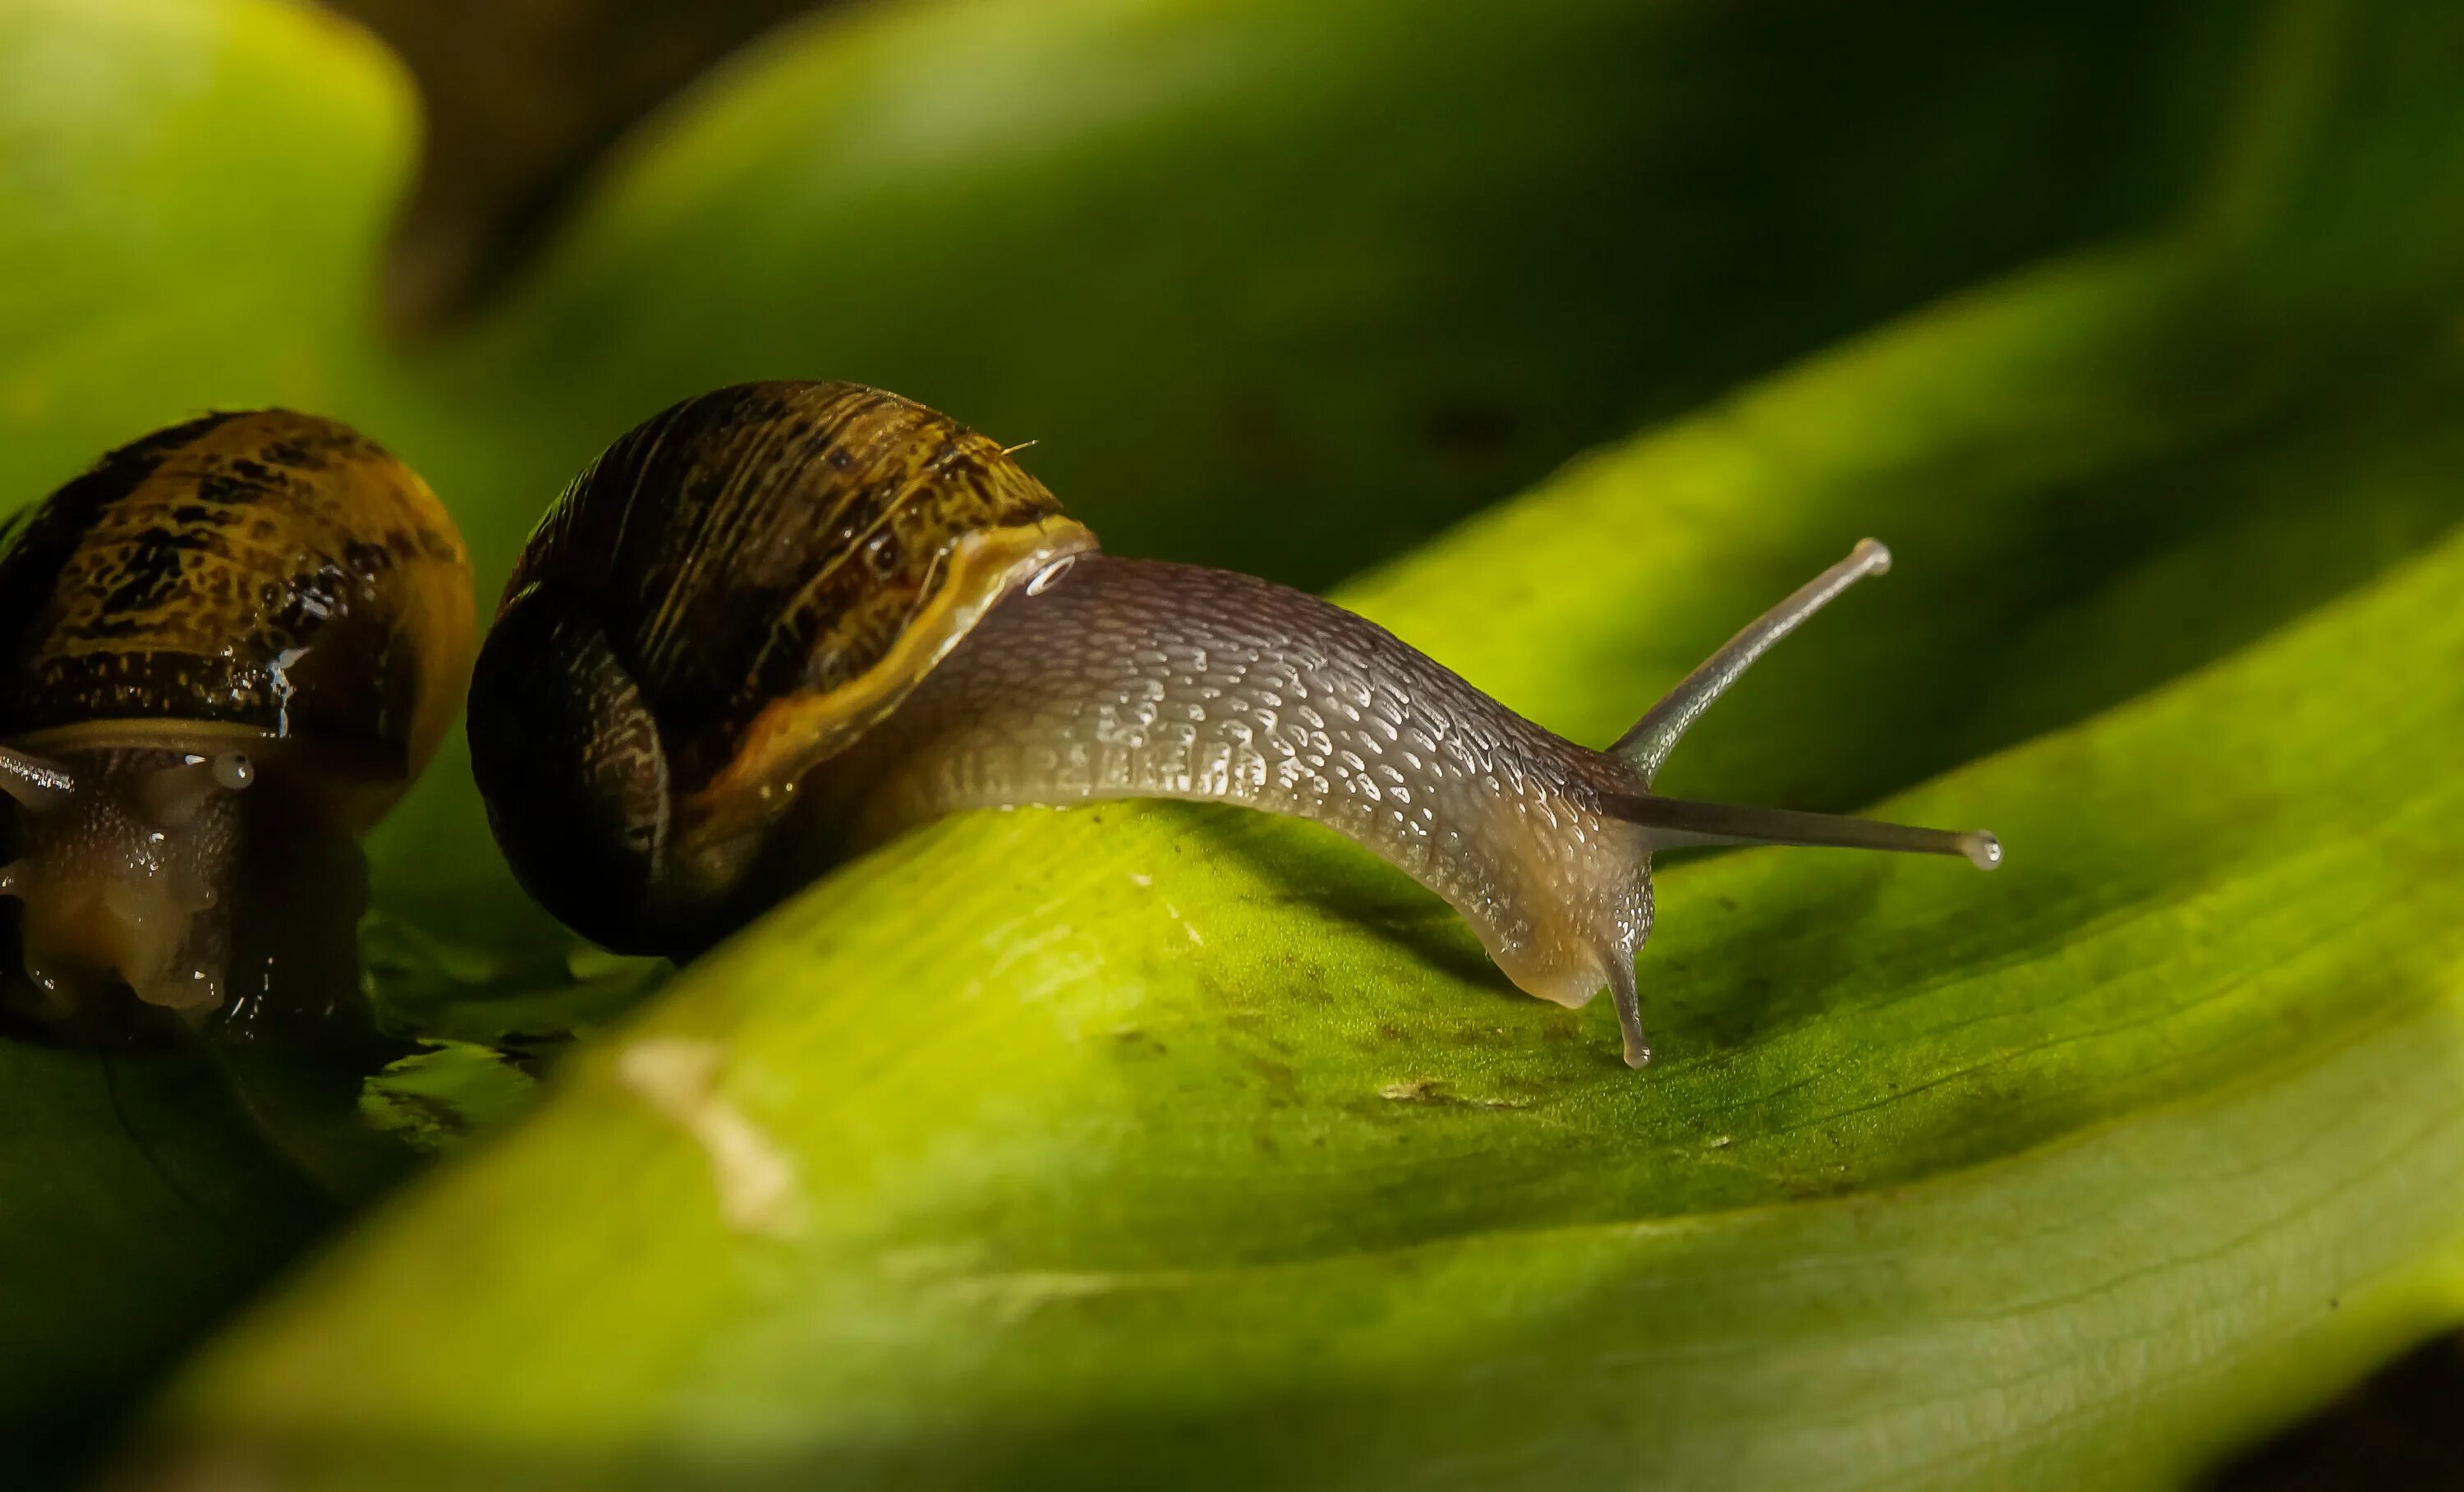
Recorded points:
(440, 1097)
(1285, 286)
(193, 193)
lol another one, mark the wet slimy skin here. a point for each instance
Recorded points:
(1128, 679)
(126, 882)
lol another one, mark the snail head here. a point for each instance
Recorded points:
(122, 855)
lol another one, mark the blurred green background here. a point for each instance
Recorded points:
(1151, 1144)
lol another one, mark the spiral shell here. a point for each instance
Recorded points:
(726, 598)
(271, 571)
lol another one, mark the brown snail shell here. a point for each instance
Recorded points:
(724, 599)
(825, 596)
(263, 600)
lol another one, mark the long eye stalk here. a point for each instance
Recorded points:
(38, 784)
(1646, 746)
(1678, 822)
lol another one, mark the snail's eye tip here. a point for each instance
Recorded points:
(233, 770)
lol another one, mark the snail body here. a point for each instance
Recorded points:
(1137, 679)
(655, 784)
(225, 651)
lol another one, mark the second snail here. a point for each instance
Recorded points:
(225, 652)
(780, 622)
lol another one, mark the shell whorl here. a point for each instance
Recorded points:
(727, 598)
(267, 569)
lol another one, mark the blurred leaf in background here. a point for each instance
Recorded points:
(522, 97)
(1229, 1154)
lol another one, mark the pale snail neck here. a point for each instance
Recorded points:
(1131, 679)
(195, 866)
(123, 877)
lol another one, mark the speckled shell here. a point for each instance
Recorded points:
(726, 599)
(267, 569)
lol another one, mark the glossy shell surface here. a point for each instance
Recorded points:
(267, 569)
(776, 565)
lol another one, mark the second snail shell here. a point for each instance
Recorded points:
(225, 652)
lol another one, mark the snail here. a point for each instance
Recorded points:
(780, 622)
(225, 651)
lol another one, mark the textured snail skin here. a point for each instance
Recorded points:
(126, 895)
(224, 652)
(1123, 677)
